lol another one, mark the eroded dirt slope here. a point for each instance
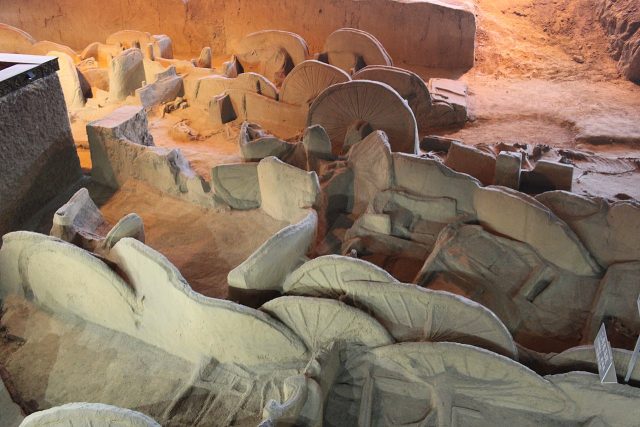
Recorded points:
(544, 75)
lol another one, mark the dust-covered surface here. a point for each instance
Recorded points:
(49, 360)
(544, 81)
(53, 360)
(203, 244)
(544, 76)
(188, 129)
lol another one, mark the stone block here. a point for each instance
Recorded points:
(508, 166)
(470, 160)
(243, 105)
(287, 192)
(162, 46)
(81, 223)
(38, 159)
(128, 122)
(96, 77)
(166, 88)
(204, 60)
(267, 268)
(126, 74)
(548, 176)
(372, 167)
(79, 216)
(429, 177)
(354, 134)
(437, 143)
(433, 209)
(209, 87)
(338, 194)
(256, 144)
(221, 110)
(375, 223)
(317, 146)
(69, 80)
(237, 185)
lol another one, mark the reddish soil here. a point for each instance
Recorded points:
(543, 75)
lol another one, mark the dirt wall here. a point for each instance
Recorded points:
(434, 33)
(621, 20)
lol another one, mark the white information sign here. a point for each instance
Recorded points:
(604, 356)
(634, 356)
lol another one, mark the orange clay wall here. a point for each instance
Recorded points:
(435, 33)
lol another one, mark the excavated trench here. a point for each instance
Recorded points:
(307, 235)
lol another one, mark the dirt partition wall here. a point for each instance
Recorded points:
(434, 33)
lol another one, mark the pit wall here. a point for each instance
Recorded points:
(621, 20)
(436, 33)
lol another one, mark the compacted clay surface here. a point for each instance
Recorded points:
(205, 245)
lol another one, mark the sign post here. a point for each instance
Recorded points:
(604, 357)
(634, 356)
